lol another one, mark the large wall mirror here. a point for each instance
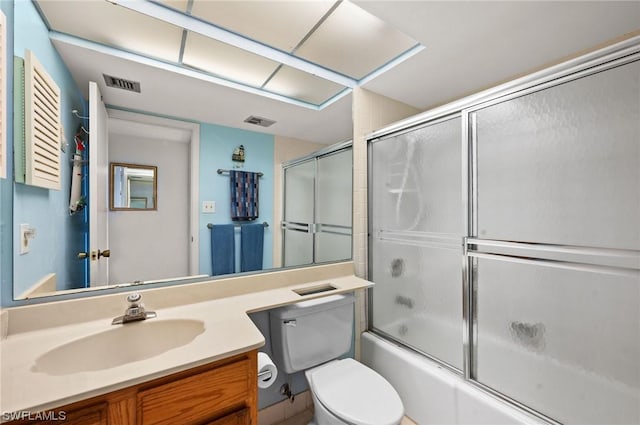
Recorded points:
(148, 189)
(133, 187)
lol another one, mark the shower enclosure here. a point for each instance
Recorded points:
(316, 225)
(504, 239)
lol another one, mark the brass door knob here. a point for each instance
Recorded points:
(83, 255)
(106, 253)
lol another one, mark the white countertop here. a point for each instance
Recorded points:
(228, 331)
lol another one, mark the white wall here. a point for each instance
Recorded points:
(148, 245)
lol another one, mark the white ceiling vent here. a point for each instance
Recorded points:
(263, 122)
(121, 83)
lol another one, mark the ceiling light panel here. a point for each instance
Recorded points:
(109, 24)
(226, 61)
(181, 5)
(300, 85)
(354, 42)
(279, 24)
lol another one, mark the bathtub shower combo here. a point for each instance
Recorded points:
(504, 241)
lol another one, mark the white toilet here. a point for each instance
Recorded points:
(309, 336)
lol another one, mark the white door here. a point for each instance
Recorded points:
(98, 188)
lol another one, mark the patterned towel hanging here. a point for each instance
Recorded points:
(244, 195)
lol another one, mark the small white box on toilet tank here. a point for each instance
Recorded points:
(309, 333)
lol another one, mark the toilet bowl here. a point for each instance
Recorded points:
(311, 336)
(348, 392)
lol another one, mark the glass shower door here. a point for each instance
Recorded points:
(416, 229)
(299, 195)
(555, 259)
(333, 206)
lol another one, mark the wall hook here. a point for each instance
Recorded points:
(75, 112)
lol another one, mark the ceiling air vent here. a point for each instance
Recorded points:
(263, 122)
(121, 83)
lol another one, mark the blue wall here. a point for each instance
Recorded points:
(59, 235)
(216, 146)
(6, 187)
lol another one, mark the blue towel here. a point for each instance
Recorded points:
(244, 195)
(251, 247)
(223, 249)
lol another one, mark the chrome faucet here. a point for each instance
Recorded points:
(134, 312)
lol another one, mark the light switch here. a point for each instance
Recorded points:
(26, 234)
(208, 207)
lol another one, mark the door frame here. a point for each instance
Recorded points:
(194, 172)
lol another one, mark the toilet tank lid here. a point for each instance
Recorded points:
(312, 306)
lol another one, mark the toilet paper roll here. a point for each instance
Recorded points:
(267, 371)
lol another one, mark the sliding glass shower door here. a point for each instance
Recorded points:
(554, 248)
(334, 206)
(317, 213)
(416, 231)
(299, 206)
(505, 241)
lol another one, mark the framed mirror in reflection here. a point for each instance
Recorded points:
(133, 187)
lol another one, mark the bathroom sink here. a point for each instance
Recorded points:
(117, 346)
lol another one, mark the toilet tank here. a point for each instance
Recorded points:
(309, 333)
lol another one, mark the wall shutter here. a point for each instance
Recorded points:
(43, 126)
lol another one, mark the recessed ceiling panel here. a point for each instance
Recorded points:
(280, 24)
(226, 61)
(354, 42)
(113, 25)
(300, 85)
(181, 5)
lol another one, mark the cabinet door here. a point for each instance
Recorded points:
(241, 417)
(197, 398)
(94, 414)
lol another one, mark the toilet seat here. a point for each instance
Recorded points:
(355, 393)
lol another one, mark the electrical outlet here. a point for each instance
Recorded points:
(208, 207)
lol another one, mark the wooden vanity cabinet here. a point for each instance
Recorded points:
(219, 393)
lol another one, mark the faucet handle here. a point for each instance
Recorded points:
(134, 298)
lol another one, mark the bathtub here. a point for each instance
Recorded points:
(432, 394)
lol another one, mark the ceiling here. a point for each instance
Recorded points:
(295, 62)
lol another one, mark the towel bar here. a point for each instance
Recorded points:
(221, 171)
(264, 223)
